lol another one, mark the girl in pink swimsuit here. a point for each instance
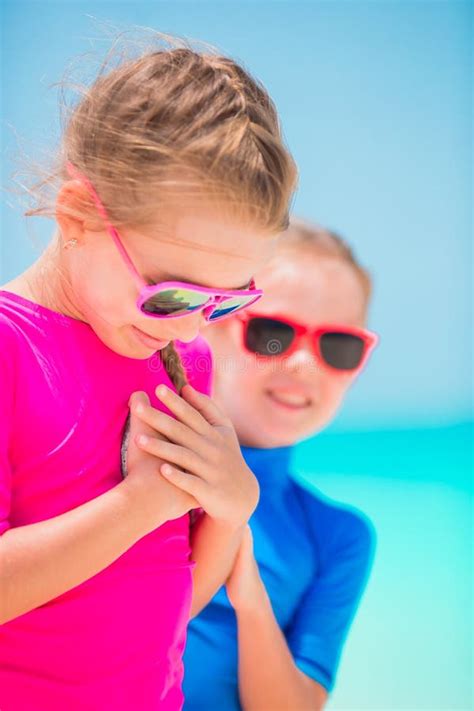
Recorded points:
(172, 181)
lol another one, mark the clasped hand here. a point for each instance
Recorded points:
(198, 452)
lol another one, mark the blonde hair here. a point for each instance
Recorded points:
(175, 121)
(302, 234)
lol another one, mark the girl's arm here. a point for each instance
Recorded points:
(268, 675)
(203, 458)
(42, 560)
(214, 547)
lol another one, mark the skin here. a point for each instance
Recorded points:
(90, 282)
(273, 404)
(278, 402)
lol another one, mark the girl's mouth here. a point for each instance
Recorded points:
(149, 341)
(289, 400)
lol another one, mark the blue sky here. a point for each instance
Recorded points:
(375, 103)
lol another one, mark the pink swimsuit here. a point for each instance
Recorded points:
(114, 642)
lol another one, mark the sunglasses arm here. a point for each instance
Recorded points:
(128, 262)
(76, 174)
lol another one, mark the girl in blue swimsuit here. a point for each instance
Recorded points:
(272, 639)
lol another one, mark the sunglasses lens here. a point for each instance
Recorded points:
(342, 350)
(268, 337)
(173, 302)
(230, 306)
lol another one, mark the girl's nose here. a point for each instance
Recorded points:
(188, 327)
(303, 357)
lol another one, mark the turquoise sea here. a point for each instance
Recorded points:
(410, 646)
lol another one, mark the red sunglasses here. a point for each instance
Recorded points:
(336, 346)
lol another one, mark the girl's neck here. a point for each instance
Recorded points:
(42, 283)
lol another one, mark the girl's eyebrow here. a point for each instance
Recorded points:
(174, 277)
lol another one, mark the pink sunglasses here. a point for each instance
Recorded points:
(171, 299)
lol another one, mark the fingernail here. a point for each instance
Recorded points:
(139, 408)
(161, 391)
(143, 439)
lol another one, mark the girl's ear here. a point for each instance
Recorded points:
(75, 212)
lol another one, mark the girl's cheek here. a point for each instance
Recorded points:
(333, 394)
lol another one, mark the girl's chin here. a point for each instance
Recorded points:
(267, 435)
(147, 341)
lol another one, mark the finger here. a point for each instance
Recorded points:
(172, 429)
(205, 405)
(183, 480)
(139, 400)
(183, 411)
(138, 397)
(130, 453)
(170, 452)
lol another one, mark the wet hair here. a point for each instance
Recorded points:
(174, 121)
(302, 234)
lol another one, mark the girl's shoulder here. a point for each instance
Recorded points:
(335, 525)
(198, 347)
(9, 331)
(15, 312)
(10, 349)
(18, 322)
(197, 361)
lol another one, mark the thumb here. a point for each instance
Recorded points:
(138, 396)
(137, 426)
(130, 453)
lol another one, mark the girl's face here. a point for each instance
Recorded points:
(195, 245)
(277, 402)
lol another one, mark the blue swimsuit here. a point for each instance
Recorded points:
(314, 556)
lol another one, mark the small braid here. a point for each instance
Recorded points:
(173, 366)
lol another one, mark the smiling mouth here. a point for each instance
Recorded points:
(289, 400)
(149, 341)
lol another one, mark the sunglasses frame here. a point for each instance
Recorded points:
(215, 297)
(369, 338)
(146, 291)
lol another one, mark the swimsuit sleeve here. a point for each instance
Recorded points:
(317, 633)
(196, 358)
(7, 388)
